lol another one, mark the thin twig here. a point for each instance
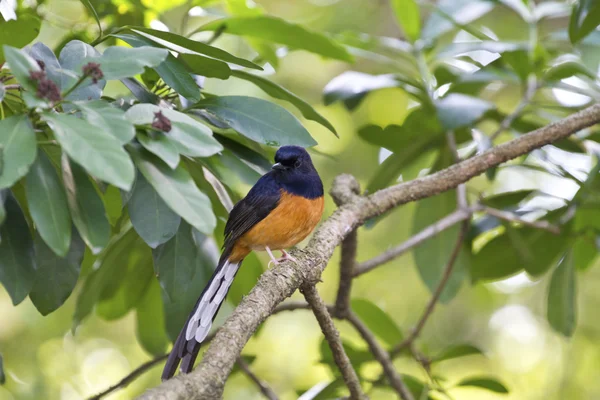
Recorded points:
(532, 86)
(12, 87)
(508, 216)
(382, 356)
(347, 264)
(131, 377)
(436, 294)
(263, 387)
(333, 339)
(415, 240)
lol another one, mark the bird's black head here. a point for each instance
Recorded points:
(294, 169)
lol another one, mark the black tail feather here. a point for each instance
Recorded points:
(186, 351)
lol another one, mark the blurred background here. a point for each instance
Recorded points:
(45, 359)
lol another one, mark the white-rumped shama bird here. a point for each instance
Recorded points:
(280, 210)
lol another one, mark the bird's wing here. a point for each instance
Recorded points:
(256, 206)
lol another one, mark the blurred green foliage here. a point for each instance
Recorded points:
(100, 196)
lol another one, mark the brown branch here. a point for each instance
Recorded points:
(131, 377)
(12, 87)
(415, 240)
(347, 264)
(263, 387)
(437, 293)
(382, 356)
(207, 381)
(333, 339)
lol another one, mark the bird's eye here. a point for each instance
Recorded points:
(297, 164)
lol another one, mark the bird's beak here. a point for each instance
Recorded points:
(278, 166)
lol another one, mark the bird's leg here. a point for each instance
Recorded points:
(287, 256)
(273, 259)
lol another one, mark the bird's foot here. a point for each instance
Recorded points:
(276, 261)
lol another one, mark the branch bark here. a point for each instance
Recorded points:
(275, 285)
(333, 338)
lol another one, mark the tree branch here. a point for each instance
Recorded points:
(532, 86)
(263, 387)
(333, 338)
(382, 356)
(131, 377)
(415, 240)
(342, 302)
(438, 291)
(208, 379)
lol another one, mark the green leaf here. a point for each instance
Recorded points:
(105, 272)
(17, 264)
(409, 19)
(584, 19)
(259, 120)
(562, 297)
(279, 31)
(458, 110)
(172, 71)
(432, 256)
(462, 350)
(119, 62)
(274, 90)
(107, 118)
(351, 87)
(449, 14)
(18, 33)
(21, 65)
(328, 392)
(140, 92)
(48, 205)
(490, 384)
(507, 199)
(87, 209)
(98, 152)
(380, 323)
(17, 140)
(190, 137)
(177, 309)
(507, 254)
(567, 69)
(205, 66)
(41, 52)
(152, 219)
(176, 42)
(93, 12)
(3, 195)
(177, 189)
(161, 146)
(2, 375)
(135, 274)
(150, 321)
(71, 57)
(175, 261)
(55, 277)
(585, 251)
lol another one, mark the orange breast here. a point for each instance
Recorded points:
(289, 223)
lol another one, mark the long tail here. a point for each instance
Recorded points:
(187, 345)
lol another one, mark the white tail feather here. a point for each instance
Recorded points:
(201, 321)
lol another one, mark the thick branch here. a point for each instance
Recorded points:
(208, 379)
(263, 387)
(382, 356)
(333, 339)
(437, 293)
(342, 302)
